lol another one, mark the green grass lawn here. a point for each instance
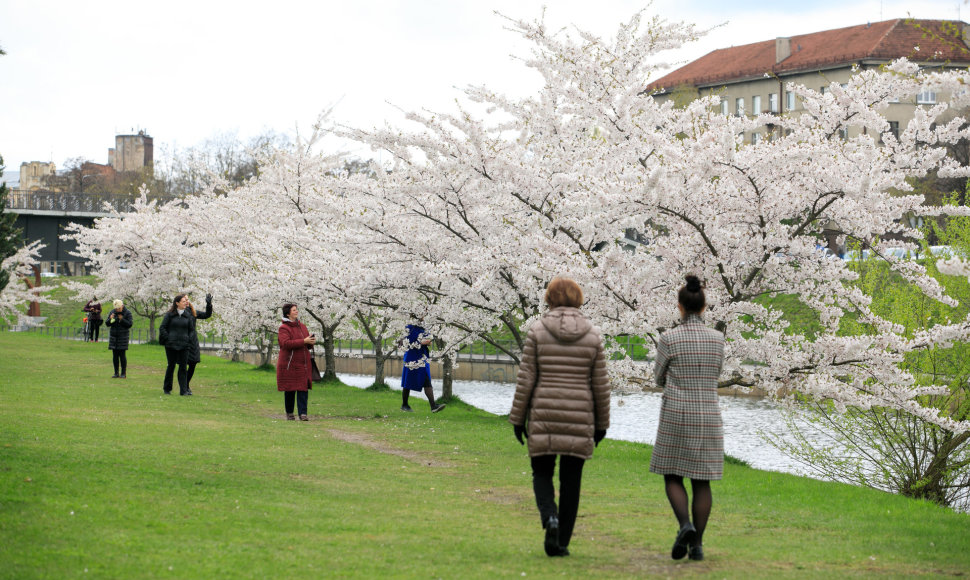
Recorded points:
(108, 478)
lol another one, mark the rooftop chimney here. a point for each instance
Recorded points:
(782, 48)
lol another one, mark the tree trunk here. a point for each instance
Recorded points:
(151, 327)
(379, 359)
(375, 332)
(447, 377)
(447, 370)
(265, 348)
(330, 360)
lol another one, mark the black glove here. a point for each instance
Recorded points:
(598, 436)
(208, 298)
(520, 433)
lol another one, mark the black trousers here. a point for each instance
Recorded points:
(180, 358)
(301, 398)
(119, 358)
(95, 330)
(570, 480)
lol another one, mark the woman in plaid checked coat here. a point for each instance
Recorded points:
(690, 440)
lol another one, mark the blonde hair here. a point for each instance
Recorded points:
(118, 304)
(564, 292)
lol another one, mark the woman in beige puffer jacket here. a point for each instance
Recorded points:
(561, 405)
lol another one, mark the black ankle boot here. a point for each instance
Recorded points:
(552, 537)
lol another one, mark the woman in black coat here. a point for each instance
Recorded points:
(177, 335)
(195, 353)
(119, 329)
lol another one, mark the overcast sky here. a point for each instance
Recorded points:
(77, 73)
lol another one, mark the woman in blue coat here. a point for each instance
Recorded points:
(417, 370)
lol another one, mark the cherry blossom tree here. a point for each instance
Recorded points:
(135, 256)
(277, 242)
(558, 177)
(19, 268)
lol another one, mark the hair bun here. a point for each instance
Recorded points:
(693, 283)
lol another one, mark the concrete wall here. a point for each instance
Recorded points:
(494, 371)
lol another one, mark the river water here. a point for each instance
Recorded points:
(634, 418)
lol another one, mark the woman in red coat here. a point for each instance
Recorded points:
(293, 367)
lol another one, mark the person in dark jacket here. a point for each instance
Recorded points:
(690, 438)
(293, 367)
(195, 353)
(119, 329)
(416, 375)
(93, 308)
(177, 334)
(561, 405)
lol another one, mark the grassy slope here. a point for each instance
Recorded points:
(109, 479)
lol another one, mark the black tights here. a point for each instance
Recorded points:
(570, 480)
(428, 392)
(701, 506)
(119, 358)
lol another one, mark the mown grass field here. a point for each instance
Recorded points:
(104, 478)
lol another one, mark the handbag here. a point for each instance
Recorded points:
(314, 371)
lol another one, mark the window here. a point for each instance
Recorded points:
(790, 101)
(894, 129)
(773, 102)
(926, 98)
(844, 133)
(824, 90)
(724, 106)
(739, 106)
(755, 138)
(756, 105)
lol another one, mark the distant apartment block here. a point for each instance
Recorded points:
(750, 79)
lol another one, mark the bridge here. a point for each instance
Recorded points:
(44, 215)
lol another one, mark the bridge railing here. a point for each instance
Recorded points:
(74, 202)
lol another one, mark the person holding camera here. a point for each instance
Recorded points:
(295, 364)
(93, 309)
(119, 329)
(177, 334)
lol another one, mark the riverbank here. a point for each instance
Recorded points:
(107, 478)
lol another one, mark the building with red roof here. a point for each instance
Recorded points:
(751, 78)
